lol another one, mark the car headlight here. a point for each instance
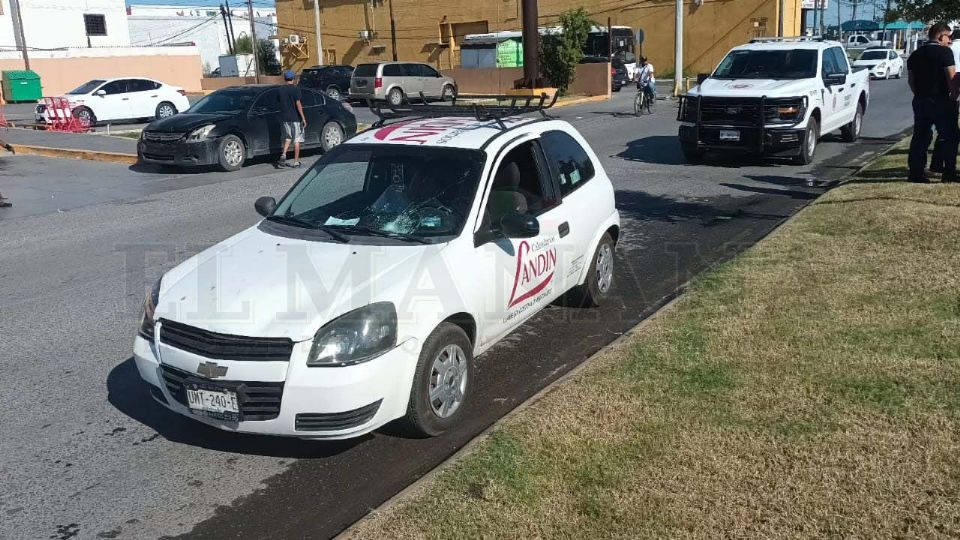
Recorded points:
(355, 337)
(149, 308)
(881, 65)
(200, 133)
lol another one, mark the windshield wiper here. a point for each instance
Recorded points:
(384, 234)
(297, 222)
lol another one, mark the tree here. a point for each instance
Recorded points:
(924, 10)
(560, 53)
(266, 54)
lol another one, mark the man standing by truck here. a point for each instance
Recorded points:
(932, 72)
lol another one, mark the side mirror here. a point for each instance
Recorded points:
(835, 80)
(702, 77)
(519, 226)
(265, 206)
(100, 93)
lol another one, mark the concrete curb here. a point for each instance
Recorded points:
(666, 305)
(91, 155)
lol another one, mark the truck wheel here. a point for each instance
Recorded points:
(851, 131)
(809, 147)
(441, 386)
(691, 153)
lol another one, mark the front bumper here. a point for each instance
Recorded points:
(880, 73)
(766, 141)
(357, 399)
(179, 153)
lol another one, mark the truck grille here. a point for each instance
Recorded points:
(746, 112)
(257, 400)
(224, 346)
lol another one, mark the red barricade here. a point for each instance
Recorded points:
(60, 116)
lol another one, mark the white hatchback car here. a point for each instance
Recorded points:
(882, 63)
(111, 100)
(367, 291)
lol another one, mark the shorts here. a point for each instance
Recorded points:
(293, 131)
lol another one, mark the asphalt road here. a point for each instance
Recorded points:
(87, 454)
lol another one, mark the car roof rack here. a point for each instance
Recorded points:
(512, 106)
(786, 39)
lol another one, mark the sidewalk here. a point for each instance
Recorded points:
(76, 145)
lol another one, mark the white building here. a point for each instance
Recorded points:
(56, 24)
(152, 25)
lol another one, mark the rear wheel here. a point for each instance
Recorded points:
(395, 97)
(809, 147)
(165, 110)
(691, 153)
(851, 131)
(638, 103)
(900, 73)
(441, 386)
(334, 93)
(331, 135)
(231, 153)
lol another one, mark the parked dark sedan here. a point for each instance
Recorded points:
(234, 124)
(332, 80)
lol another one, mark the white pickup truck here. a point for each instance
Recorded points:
(775, 97)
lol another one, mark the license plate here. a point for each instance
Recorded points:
(729, 135)
(213, 402)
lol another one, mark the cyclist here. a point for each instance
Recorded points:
(646, 80)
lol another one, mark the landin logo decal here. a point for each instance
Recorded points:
(534, 271)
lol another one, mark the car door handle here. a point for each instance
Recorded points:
(564, 229)
(153, 96)
(125, 99)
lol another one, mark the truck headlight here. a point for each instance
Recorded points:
(355, 337)
(200, 133)
(149, 308)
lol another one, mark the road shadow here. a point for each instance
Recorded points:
(150, 168)
(665, 150)
(130, 395)
(645, 207)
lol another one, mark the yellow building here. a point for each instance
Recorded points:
(358, 31)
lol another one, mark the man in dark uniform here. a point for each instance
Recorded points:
(932, 73)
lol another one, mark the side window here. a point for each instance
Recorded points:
(892, 55)
(140, 85)
(518, 187)
(840, 59)
(829, 63)
(308, 98)
(427, 71)
(268, 102)
(568, 161)
(392, 70)
(115, 87)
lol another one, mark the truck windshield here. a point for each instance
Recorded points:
(770, 64)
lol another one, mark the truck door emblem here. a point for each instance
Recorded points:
(211, 370)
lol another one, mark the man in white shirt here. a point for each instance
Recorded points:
(646, 78)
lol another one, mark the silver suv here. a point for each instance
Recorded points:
(395, 81)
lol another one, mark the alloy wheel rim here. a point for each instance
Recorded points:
(332, 136)
(166, 111)
(233, 153)
(448, 381)
(604, 268)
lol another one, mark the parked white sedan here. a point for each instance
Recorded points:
(882, 63)
(111, 100)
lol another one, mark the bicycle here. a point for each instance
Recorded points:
(643, 101)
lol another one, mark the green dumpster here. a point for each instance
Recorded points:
(23, 85)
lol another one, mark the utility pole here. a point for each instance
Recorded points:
(780, 20)
(823, 17)
(678, 51)
(18, 22)
(316, 23)
(531, 41)
(253, 38)
(223, 13)
(231, 37)
(393, 31)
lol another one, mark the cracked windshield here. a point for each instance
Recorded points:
(387, 191)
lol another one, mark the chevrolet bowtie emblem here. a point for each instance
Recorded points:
(211, 370)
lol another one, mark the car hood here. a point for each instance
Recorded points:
(752, 88)
(183, 122)
(261, 285)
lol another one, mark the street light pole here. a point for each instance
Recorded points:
(253, 38)
(531, 39)
(316, 23)
(678, 51)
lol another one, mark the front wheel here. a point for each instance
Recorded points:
(441, 386)
(333, 93)
(448, 94)
(85, 116)
(231, 153)
(809, 147)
